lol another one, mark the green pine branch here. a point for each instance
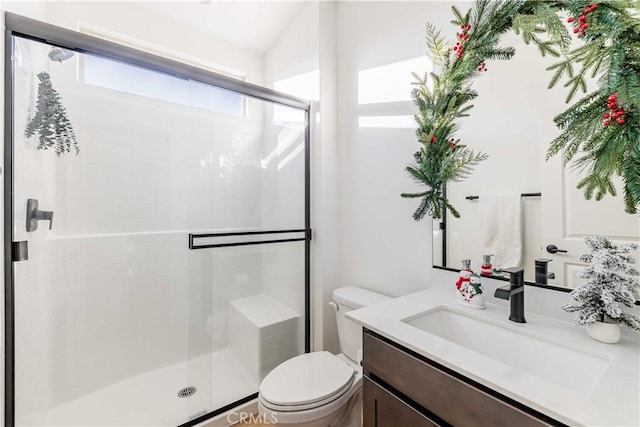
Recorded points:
(445, 97)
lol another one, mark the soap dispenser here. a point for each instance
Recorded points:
(487, 268)
(469, 288)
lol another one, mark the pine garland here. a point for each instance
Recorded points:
(602, 128)
(442, 158)
(611, 281)
(51, 121)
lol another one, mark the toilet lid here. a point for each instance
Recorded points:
(305, 379)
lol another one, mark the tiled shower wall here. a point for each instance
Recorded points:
(113, 291)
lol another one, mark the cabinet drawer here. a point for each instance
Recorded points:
(383, 409)
(451, 399)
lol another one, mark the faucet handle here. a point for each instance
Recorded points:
(516, 278)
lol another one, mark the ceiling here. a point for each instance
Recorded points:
(254, 25)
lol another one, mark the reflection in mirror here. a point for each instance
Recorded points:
(517, 206)
(540, 232)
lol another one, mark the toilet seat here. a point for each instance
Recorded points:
(307, 381)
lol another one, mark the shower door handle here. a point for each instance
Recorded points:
(34, 215)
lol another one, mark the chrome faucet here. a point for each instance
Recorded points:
(515, 294)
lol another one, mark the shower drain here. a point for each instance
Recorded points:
(187, 391)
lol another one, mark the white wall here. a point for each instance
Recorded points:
(381, 247)
(325, 175)
(295, 52)
(125, 18)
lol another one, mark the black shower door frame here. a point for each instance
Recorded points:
(16, 25)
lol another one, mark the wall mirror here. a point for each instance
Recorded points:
(513, 123)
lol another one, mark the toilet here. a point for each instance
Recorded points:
(321, 389)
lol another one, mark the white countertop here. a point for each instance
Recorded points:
(613, 400)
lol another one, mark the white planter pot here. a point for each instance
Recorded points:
(604, 332)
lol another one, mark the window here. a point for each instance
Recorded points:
(110, 74)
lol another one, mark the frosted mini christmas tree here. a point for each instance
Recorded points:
(611, 282)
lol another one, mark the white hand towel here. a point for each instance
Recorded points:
(501, 225)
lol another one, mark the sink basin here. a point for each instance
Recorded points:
(563, 364)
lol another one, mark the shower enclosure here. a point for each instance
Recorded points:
(157, 273)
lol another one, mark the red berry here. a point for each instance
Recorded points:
(584, 26)
(594, 6)
(621, 121)
(455, 48)
(462, 27)
(468, 27)
(606, 115)
(575, 30)
(570, 20)
(581, 18)
(433, 140)
(606, 122)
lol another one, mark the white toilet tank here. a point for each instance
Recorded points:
(350, 333)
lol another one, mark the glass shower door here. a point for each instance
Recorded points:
(101, 302)
(247, 244)
(160, 238)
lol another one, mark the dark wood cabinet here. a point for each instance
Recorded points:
(383, 408)
(402, 388)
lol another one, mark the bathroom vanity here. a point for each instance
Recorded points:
(421, 392)
(428, 361)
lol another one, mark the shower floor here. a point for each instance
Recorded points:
(151, 399)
